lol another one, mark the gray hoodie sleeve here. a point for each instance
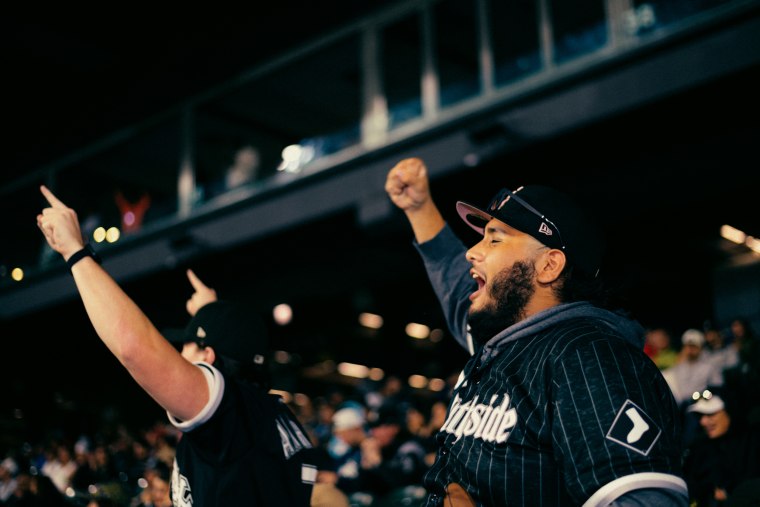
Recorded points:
(448, 271)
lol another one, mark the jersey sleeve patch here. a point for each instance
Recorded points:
(634, 429)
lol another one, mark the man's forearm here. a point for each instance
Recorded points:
(426, 221)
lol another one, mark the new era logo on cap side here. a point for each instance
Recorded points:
(544, 229)
(201, 333)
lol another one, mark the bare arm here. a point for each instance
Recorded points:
(408, 187)
(176, 384)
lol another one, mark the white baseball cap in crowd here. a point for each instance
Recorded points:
(707, 403)
(348, 418)
(693, 337)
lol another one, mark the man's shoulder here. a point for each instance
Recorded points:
(584, 332)
(582, 329)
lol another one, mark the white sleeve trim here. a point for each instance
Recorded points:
(612, 490)
(215, 381)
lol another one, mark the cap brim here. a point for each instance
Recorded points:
(707, 407)
(474, 217)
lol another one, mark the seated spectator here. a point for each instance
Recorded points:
(321, 427)
(61, 468)
(391, 458)
(724, 457)
(96, 469)
(343, 451)
(392, 393)
(8, 469)
(741, 332)
(744, 378)
(424, 423)
(658, 347)
(157, 492)
(693, 372)
(37, 490)
(716, 351)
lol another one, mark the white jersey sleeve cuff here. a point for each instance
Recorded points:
(215, 381)
(612, 490)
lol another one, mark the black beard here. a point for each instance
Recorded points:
(510, 291)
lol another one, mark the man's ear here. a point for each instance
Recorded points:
(209, 354)
(550, 265)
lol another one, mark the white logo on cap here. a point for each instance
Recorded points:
(544, 229)
(201, 333)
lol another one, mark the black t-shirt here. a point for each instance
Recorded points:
(245, 448)
(724, 462)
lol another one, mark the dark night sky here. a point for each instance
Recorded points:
(71, 78)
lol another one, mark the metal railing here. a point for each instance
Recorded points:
(377, 82)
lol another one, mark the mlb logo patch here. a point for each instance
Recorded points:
(634, 429)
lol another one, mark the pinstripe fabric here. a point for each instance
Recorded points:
(549, 417)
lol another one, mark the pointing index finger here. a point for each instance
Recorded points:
(195, 281)
(51, 199)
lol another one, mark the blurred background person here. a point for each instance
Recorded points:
(8, 469)
(392, 457)
(693, 372)
(717, 352)
(157, 493)
(60, 468)
(340, 459)
(744, 378)
(726, 453)
(657, 345)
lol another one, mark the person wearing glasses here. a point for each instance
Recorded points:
(558, 403)
(722, 465)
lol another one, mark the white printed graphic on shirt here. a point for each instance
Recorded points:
(634, 429)
(181, 494)
(293, 439)
(461, 382)
(490, 422)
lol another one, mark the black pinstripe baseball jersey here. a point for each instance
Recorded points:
(562, 408)
(245, 448)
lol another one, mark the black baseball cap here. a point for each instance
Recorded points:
(233, 329)
(548, 215)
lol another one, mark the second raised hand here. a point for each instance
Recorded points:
(202, 296)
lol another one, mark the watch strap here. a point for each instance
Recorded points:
(86, 251)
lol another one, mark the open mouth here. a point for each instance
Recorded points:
(481, 283)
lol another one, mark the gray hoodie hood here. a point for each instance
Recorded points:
(627, 329)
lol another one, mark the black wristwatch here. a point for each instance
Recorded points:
(86, 251)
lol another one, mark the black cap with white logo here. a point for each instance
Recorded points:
(233, 330)
(548, 215)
